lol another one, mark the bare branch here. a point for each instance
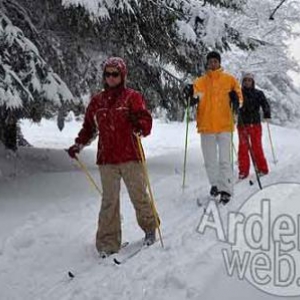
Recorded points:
(277, 7)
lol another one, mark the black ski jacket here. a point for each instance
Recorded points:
(250, 111)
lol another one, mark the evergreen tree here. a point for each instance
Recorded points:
(164, 42)
(155, 36)
(28, 86)
(271, 61)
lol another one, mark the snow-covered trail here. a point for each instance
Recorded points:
(59, 236)
(48, 221)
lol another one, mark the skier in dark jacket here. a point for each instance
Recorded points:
(249, 127)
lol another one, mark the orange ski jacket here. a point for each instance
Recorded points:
(214, 114)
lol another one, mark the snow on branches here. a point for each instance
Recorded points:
(24, 76)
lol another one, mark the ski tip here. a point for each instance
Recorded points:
(117, 262)
(71, 275)
(125, 244)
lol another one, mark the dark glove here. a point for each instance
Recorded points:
(188, 91)
(74, 150)
(133, 119)
(234, 101)
(194, 101)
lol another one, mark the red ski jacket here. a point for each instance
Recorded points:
(115, 115)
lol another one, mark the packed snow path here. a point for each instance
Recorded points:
(48, 218)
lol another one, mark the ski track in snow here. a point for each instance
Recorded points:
(48, 218)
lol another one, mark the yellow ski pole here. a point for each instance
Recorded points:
(152, 203)
(271, 143)
(87, 173)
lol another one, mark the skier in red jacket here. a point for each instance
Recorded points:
(117, 114)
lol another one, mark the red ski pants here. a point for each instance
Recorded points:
(254, 135)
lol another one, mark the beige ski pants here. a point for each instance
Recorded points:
(108, 237)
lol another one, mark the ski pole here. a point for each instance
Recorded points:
(152, 203)
(186, 140)
(271, 143)
(88, 175)
(234, 149)
(231, 139)
(83, 167)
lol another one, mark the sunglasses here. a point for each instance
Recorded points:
(113, 74)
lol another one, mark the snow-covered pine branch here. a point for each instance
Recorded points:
(270, 61)
(25, 76)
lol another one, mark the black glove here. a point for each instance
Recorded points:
(234, 101)
(133, 119)
(194, 101)
(74, 150)
(188, 91)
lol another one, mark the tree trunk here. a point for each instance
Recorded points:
(8, 129)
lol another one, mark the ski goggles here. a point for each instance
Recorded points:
(111, 74)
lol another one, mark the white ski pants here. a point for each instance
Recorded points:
(216, 154)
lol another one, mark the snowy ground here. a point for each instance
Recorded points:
(48, 215)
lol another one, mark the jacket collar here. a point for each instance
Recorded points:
(215, 74)
(113, 92)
